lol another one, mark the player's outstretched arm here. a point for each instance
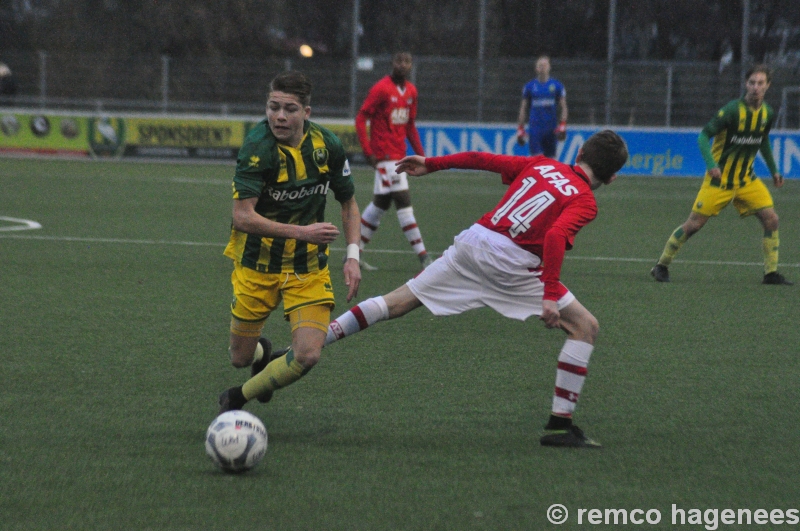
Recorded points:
(412, 165)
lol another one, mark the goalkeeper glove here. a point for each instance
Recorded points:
(561, 131)
(521, 136)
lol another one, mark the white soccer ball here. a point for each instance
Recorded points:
(236, 441)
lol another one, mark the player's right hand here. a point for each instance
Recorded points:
(320, 233)
(412, 165)
(521, 136)
(561, 131)
(550, 314)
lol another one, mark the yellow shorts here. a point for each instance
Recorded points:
(307, 299)
(748, 199)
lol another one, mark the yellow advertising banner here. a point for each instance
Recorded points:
(135, 136)
(43, 134)
(188, 137)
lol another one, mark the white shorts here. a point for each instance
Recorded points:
(387, 180)
(484, 268)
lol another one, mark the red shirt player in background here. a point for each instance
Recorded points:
(390, 108)
(510, 261)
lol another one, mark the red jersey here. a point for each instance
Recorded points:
(546, 204)
(391, 112)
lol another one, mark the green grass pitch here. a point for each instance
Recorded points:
(113, 349)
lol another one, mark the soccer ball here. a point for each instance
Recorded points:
(236, 441)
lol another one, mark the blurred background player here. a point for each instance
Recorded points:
(391, 110)
(544, 108)
(510, 260)
(279, 240)
(8, 85)
(740, 130)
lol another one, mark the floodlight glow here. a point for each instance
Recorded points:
(306, 50)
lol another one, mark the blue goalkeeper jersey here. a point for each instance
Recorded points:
(543, 99)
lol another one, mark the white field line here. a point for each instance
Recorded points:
(371, 251)
(20, 224)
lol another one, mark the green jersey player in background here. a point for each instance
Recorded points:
(279, 240)
(740, 130)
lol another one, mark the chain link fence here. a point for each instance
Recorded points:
(658, 94)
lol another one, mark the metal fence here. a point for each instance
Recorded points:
(674, 94)
(789, 114)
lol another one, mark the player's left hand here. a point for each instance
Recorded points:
(561, 131)
(318, 233)
(352, 277)
(777, 179)
(550, 314)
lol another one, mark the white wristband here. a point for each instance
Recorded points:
(353, 251)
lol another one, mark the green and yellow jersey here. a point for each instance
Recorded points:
(739, 134)
(291, 185)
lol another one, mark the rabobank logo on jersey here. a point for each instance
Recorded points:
(752, 140)
(296, 194)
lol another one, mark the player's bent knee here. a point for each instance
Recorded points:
(691, 227)
(308, 358)
(309, 328)
(694, 223)
(241, 350)
(579, 323)
(584, 329)
(592, 328)
(240, 359)
(769, 218)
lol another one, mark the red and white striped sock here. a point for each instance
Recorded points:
(409, 225)
(359, 317)
(571, 373)
(370, 221)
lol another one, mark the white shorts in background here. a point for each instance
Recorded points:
(483, 268)
(387, 180)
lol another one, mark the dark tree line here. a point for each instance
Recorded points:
(646, 29)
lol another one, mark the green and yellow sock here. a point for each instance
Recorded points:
(277, 374)
(674, 243)
(770, 245)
